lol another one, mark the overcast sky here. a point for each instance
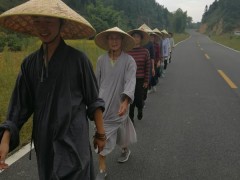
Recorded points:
(194, 8)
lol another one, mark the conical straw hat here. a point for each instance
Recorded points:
(145, 36)
(19, 18)
(145, 28)
(157, 31)
(164, 31)
(101, 39)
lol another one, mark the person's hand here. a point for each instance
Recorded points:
(153, 72)
(145, 85)
(99, 144)
(99, 141)
(4, 149)
(123, 108)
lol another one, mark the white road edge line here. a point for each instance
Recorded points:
(225, 46)
(17, 155)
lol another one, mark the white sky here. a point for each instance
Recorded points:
(194, 8)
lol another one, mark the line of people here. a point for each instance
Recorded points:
(58, 86)
(130, 68)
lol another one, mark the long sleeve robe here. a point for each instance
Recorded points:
(115, 81)
(60, 105)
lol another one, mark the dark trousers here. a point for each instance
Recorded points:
(165, 63)
(138, 97)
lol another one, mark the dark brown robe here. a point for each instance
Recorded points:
(60, 105)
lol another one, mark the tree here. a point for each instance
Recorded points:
(179, 21)
(206, 9)
(103, 17)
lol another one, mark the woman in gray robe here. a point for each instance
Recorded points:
(116, 76)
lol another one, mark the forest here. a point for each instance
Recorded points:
(126, 14)
(222, 16)
(104, 14)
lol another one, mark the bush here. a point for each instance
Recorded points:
(2, 41)
(14, 42)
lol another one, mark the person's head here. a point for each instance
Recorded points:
(158, 33)
(170, 34)
(114, 41)
(47, 28)
(152, 37)
(20, 19)
(138, 37)
(164, 33)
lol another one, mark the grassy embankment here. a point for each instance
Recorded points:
(228, 40)
(10, 64)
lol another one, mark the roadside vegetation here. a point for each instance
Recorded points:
(229, 40)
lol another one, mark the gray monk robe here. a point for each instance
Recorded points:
(60, 104)
(116, 80)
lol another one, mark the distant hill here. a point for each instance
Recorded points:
(222, 16)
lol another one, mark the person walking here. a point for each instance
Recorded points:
(150, 48)
(142, 58)
(172, 45)
(165, 50)
(116, 77)
(57, 85)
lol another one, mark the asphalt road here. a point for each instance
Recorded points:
(191, 125)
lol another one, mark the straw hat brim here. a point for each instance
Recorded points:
(164, 32)
(101, 39)
(145, 28)
(145, 36)
(19, 18)
(157, 32)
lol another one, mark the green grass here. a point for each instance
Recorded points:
(88, 47)
(180, 37)
(10, 64)
(228, 40)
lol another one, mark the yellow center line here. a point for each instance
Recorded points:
(227, 79)
(207, 56)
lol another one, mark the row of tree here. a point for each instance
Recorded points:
(131, 14)
(104, 14)
(225, 11)
(126, 14)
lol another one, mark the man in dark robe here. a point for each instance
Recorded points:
(58, 86)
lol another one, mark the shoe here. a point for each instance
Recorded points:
(150, 91)
(144, 104)
(140, 115)
(154, 89)
(124, 155)
(101, 175)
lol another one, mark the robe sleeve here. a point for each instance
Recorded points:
(19, 110)
(90, 90)
(130, 79)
